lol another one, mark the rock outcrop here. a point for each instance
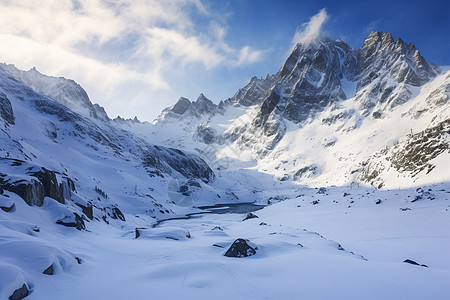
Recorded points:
(35, 183)
(240, 248)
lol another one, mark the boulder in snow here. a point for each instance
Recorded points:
(240, 248)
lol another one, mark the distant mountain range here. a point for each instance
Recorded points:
(329, 103)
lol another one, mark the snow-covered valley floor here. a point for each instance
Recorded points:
(303, 251)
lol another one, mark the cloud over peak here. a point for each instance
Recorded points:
(310, 31)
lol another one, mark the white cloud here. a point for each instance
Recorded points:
(111, 44)
(311, 30)
(174, 47)
(248, 56)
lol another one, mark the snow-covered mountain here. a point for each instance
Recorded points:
(73, 171)
(77, 187)
(327, 111)
(65, 91)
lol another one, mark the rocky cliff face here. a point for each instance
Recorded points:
(33, 183)
(254, 92)
(417, 153)
(387, 72)
(309, 81)
(6, 112)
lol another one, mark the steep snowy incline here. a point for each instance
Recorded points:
(336, 148)
(65, 91)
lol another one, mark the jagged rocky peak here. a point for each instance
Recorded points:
(317, 57)
(385, 71)
(185, 108)
(101, 113)
(403, 61)
(181, 106)
(310, 78)
(308, 82)
(254, 92)
(203, 106)
(119, 120)
(65, 91)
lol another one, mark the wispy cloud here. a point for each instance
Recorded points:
(309, 31)
(108, 44)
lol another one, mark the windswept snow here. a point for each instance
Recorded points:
(345, 247)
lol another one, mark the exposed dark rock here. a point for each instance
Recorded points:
(20, 293)
(49, 270)
(72, 221)
(79, 261)
(413, 155)
(284, 177)
(203, 106)
(185, 108)
(322, 190)
(205, 134)
(35, 229)
(376, 115)
(254, 92)
(7, 208)
(6, 111)
(184, 190)
(380, 51)
(412, 262)
(181, 106)
(305, 172)
(383, 65)
(136, 233)
(101, 113)
(240, 248)
(117, 214)
(31, 191)
(188, 165)
(105, 219)
(87, 210)
(311, 77)
(378, 201)
(250, 216)
(51, 187)
(217, 228)
(43, 183)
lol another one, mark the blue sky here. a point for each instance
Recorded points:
(136, 57)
